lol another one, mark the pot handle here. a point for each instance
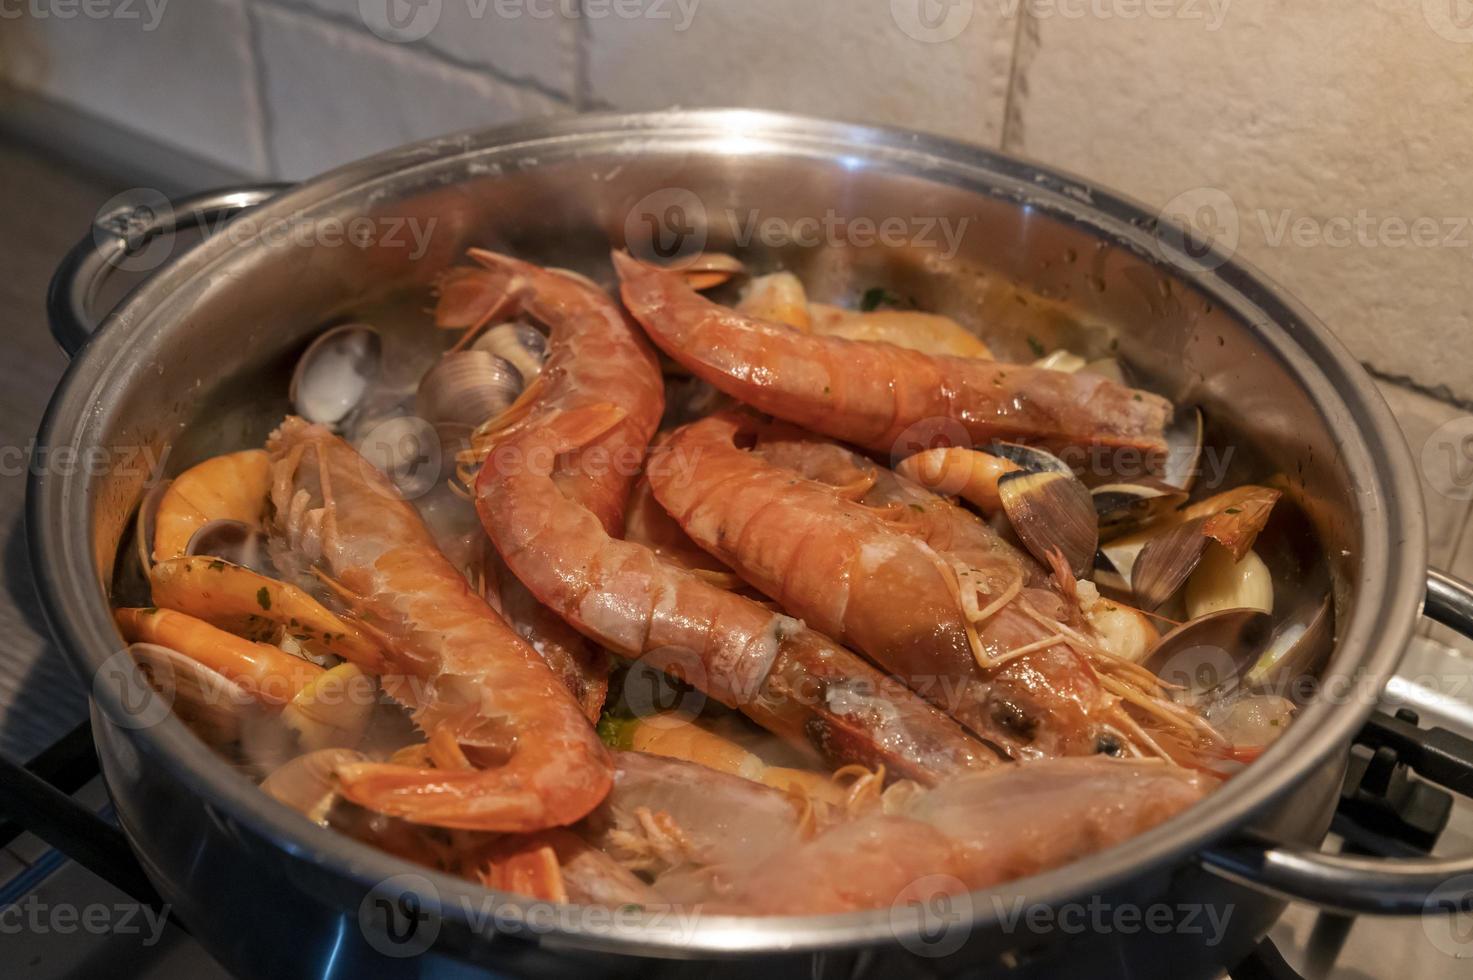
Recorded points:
(1355, 884)
(115, 242)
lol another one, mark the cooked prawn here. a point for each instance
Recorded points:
(981, 829)
(871, 393)
(785, 677)
(969, 629)
(470, 680)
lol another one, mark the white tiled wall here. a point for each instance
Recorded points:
(1328, 141)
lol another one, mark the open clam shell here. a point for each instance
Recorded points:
(1165, 563)
(214, 706)
(1124, 507)
(336, 373)
(145, 523)
(1208, 658)
(1029, 458)
(308, 783)
(234, 541)
(1052, 512)
(1184, 448)
(521, 345)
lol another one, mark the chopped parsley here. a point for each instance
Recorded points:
(263, 598)
(1035, 346)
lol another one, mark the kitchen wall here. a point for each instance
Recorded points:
(1326, 140)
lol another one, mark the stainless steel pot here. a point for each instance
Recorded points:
(183, 362)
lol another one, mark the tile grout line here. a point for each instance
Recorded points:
(267, 121)
(1014, 67)
(1438, 393)
(428, 51)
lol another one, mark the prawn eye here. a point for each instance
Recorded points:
(1107, 745)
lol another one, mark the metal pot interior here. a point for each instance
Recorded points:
(196, 361)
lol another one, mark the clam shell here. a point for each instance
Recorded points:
(1052, 511)
(1183, 449)
(233, 541)
(465, 388)
(336, 372)
(143, 523)
(1123, 507)
(1207, 657)
(521, 345)
(1166, 561)
(1030, 458)
(213, 705)
(308, 783)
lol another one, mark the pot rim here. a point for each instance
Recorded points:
(1392, 545)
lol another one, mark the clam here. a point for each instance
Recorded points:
(308, 783)
(229, 487)
(710, 269)
(211, 704)
(1240, 653)
(1107, 367)
(1061, 360)
(1297, 647)
(1028, 458)
(1156, 561)
(145, 522)
(332, 712)
(336, 372)
(521, 345)
(1183, 449)
(464, 389)
(1206, 657)
(1051, 512)
(234, 541)
(779, 297)
(1122, 507)
(1165, 562)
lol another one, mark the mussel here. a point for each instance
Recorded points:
(336, 373)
